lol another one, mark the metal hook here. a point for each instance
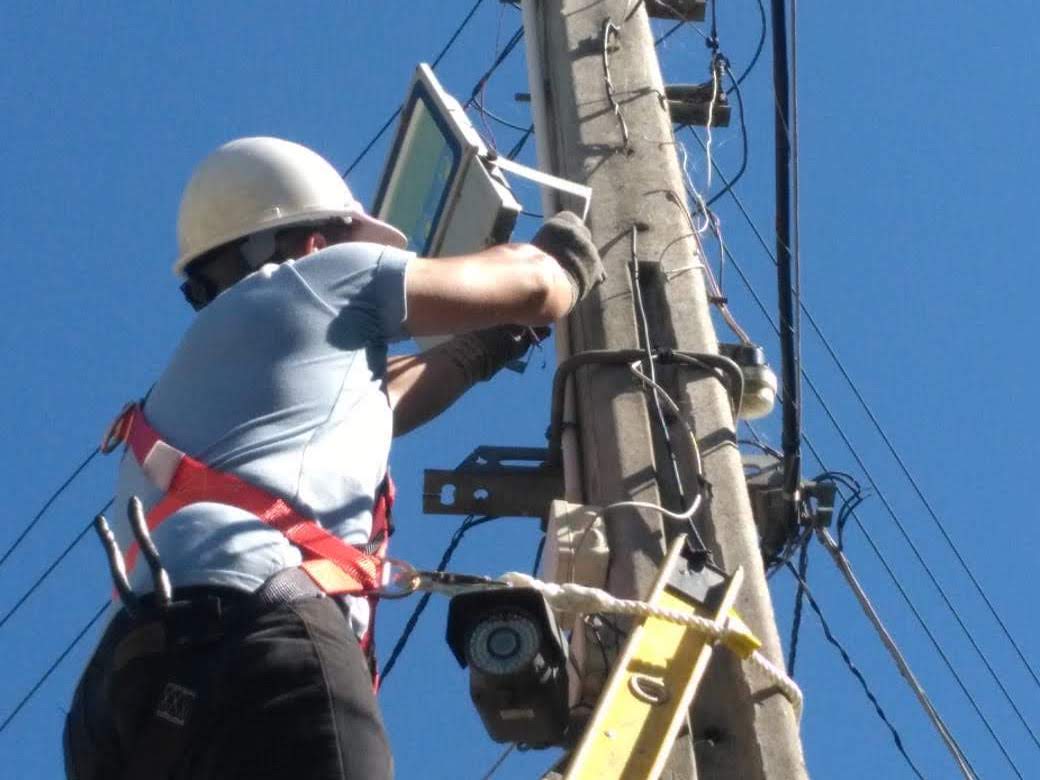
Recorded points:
(160, 579)
(116, 565)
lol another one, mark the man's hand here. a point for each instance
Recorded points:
(506, 343)
(568, 241)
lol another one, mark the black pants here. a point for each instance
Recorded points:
(283, 694)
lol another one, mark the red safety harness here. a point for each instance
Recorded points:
(336, 567)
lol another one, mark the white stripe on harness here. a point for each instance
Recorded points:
(160, 464)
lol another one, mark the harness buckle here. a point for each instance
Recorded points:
(118, 429)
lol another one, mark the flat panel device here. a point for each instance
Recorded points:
(437, 187)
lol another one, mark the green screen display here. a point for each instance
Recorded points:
(422, 176)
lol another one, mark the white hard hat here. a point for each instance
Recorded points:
(254, 184)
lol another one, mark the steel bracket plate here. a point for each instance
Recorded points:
(505, 481)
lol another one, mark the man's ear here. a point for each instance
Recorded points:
(314, 243)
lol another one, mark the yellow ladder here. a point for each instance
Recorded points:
(653, 683)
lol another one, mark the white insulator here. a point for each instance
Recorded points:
(759, 392)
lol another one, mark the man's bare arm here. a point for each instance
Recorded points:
(422, 386)
(510, 283)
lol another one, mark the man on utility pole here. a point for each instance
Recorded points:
(600, 119)
(259, 462)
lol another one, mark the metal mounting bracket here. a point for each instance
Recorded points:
(506, 481)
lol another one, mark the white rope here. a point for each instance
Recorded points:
(570, 597)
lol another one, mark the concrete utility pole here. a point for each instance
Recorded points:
(600, 119)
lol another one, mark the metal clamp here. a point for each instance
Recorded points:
(404, 579)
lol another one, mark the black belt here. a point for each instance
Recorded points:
(202, 613)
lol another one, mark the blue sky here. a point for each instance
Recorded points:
(918, 123)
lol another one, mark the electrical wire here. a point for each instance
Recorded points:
(897, 581)
(884, 562)
(845, 568)
(678, 25)
(538, 556)
(913, 547)
(728, 185)
(892, 575)
(890, 446)
(518, 147)
(47, 504)
(437, 60)
(413, 619)
(502, 56)
(610, 28)
(648, 346)
(54, 565)
(785, 281)
(758, 49)
(57, 662)
(803, 588)
(796, 621)
(715, 294)
(695, 541)
(763, 28)
(484, 111)
(498, 762)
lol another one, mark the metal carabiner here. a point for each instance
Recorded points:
(400, 579)
(117, 430)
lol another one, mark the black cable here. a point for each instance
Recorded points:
(538, 556)
(53, 666)
(413, 619)
(499, 761)
(436, 62)
(502, 56)
(484, 111)
(518, 147)
(648, 347)
(47, 504)
(754, 57)
(713, 39)
(803, 587)
(785, 277)
(918, 616)
(758, 49)
(51, 568)
(796, 621)
(672, 30)
(695, 541)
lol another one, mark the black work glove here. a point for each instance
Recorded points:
(566, 239)
(481, 354)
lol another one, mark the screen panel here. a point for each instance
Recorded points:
(428, 158)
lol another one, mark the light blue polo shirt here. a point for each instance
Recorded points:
(280, 381)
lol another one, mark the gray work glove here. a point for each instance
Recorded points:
(566, 239)
(481, 354)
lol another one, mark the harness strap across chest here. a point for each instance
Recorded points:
(335, 566)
